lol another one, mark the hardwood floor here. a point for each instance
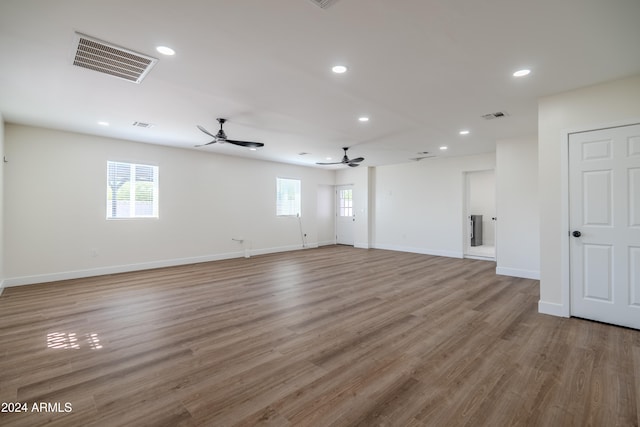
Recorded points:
(318, 337)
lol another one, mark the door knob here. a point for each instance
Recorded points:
(576, 233)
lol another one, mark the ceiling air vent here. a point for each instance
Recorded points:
(107, 58)
(496, 115)
(323, 3)
(142, 125)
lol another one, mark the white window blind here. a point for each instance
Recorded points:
(132, 190)
(288, 197)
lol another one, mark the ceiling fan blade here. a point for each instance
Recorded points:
(207, 132)
(345, 160)
(221, 137)
(245, 143)
(208, 143)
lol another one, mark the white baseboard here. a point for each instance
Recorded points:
(277, 249)
(423, 251)
(101, 271)
(1, 286)
(327, 243)
(553, 309)
(361, 245)
(516, 272)
(480, 258)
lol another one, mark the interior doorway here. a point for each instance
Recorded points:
(480, 215)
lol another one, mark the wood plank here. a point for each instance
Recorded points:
(329, 336)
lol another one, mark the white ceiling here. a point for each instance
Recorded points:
(422, 70)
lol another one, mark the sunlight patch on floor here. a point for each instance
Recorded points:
(71, 340)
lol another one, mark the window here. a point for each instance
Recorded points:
(346, 202)
(132, 190)
(287, 197)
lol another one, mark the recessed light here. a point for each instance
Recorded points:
(103, 123)
(444, 147)
(252, 149)
(521, 73)
(363, 119)
(165, 50)
(328, 158)
(464, 132)
(339, 69)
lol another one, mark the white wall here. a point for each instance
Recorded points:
(517, 204)
(482, 201)
(55, 207)
(326, 215)
(2, 275)
(611, 103)
(420, 206)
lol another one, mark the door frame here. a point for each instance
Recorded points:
(466, 244)
(564, 309)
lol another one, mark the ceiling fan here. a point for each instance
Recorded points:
(345, 160)
(221, 137)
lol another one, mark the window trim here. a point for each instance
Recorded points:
(156, 191)
(299, 213)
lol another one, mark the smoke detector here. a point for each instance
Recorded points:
(107, 58)
(323, 4)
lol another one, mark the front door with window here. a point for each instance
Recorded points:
(345, 215)
(604, 205)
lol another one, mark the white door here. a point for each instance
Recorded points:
(604, 205)
(345, 215)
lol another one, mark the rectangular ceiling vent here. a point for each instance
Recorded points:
(323, 3)
(496, 115)
(110, 59)
(142, 125)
